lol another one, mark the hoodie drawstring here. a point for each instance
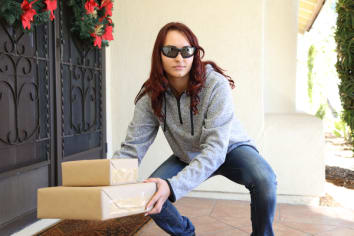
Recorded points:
(191, 116)
(164, 121)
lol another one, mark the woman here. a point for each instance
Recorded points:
(192, 102)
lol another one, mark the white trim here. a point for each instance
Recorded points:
(281, 198)
(37, 227)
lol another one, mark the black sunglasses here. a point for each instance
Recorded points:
(172, 51)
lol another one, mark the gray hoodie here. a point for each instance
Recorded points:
(202, 141)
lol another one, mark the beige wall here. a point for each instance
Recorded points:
(299, 159)
(280, 41)
(255, 41)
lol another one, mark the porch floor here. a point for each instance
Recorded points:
(213, 217)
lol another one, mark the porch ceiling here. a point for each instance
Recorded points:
(308, 11)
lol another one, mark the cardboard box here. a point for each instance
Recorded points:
(100, 172)
(94, 203)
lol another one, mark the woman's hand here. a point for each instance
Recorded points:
(159, 198)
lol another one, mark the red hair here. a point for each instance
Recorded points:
(157, 82)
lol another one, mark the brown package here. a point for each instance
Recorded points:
(100, 172)
(94, 203)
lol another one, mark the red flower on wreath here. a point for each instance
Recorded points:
(107, 5)
(51, 6)
(108, 33)
(90, 6)
(28, 13)
(97, 40)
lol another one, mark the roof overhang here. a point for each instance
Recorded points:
(308, 12)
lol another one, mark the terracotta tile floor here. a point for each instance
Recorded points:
(228, 217)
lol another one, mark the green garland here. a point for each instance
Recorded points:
(344, 37)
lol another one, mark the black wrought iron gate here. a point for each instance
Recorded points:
(52, 109)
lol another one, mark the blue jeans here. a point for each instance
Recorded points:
(242, 165)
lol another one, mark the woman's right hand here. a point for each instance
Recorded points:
(159, 198)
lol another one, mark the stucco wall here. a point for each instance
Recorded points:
(280, 40)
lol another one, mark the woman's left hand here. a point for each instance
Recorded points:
(159, 198)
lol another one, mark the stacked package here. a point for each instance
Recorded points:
(96, 190)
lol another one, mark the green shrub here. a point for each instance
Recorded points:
(321, 111)
(342, 130)
(344, 37)
(310, 60)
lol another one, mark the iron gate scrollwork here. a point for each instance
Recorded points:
(24, 96)
(81, 79)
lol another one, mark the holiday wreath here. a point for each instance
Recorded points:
(92, 20)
